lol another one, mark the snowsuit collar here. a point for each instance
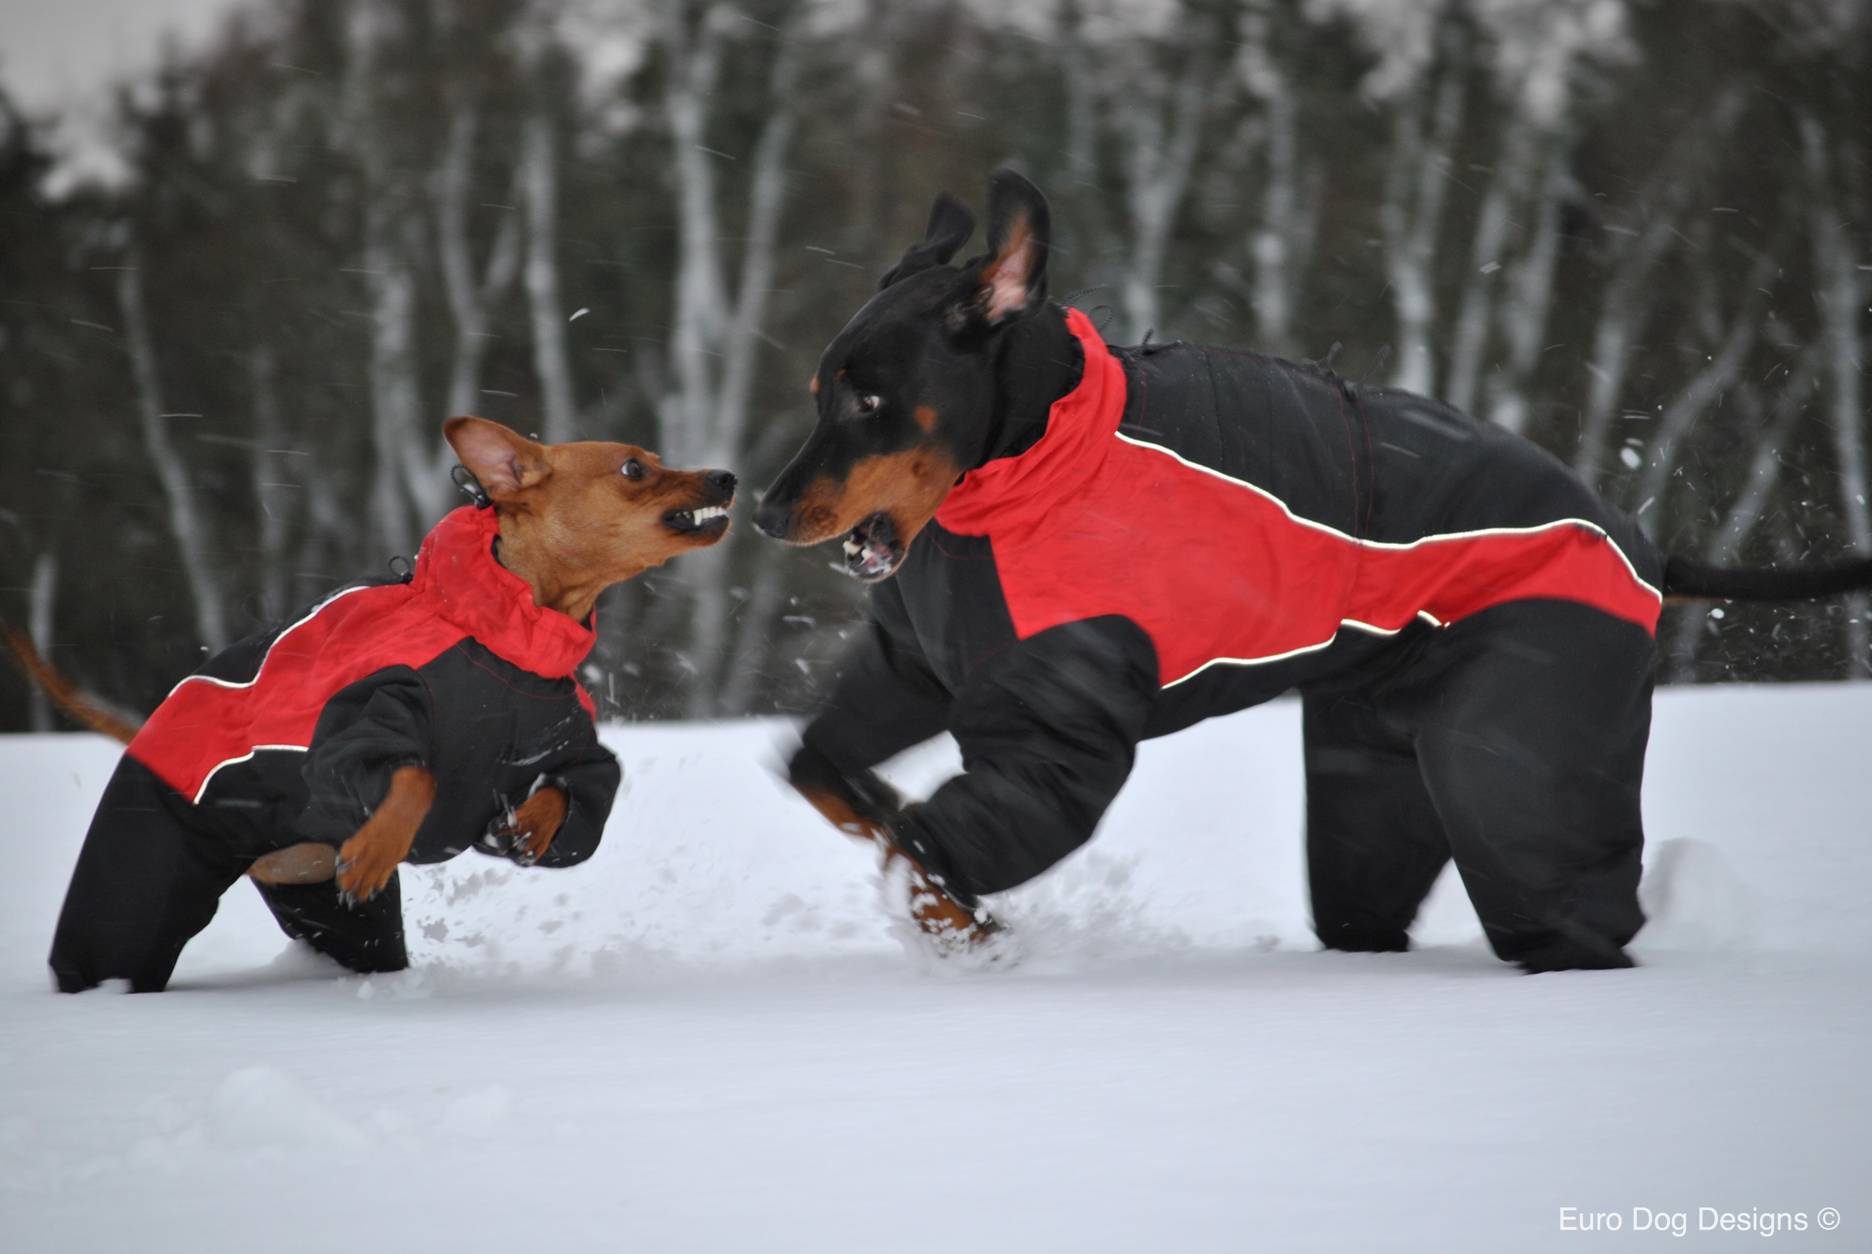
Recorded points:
(1010, 490)
(457, 573)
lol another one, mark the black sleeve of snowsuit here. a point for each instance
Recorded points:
(370, 728)
(886, 697)
(1048, 734)
(588, 774)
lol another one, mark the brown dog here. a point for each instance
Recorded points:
(392, 722)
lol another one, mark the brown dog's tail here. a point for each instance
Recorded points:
(1687, 577)
(65, 695)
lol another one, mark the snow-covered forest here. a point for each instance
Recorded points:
(1635, 232)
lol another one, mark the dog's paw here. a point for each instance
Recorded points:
(536, 821)
(363, 870)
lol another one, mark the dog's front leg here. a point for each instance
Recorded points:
(867, 809)
(368, 860)
(526, 832)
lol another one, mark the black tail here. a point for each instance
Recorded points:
(1687, 577)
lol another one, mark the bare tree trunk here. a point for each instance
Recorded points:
(1530, 298)
(1160, 153)
(469, 295)
(717, 336)
(1281, 244)
(1751, 504)
(1475, 316)
(1411, 214)
(399, 474)
(1841, 292)
(539, 188)
(274, 501)
(753, 642)
(1631, 290)
(40, 595)
(185, 516)
(1707, 385)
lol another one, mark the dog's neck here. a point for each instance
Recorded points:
(1037, 361)
(575, 598)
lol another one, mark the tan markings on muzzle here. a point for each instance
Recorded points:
(908, 486)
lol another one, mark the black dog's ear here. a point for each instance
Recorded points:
(1012, 281)
(950, 225)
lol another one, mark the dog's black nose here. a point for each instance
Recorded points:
(722, 481)
(773, 519)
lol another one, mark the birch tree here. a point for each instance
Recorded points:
(718, 329)
(181, 498)
(1837, 196)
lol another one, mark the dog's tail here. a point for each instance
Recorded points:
(80, 708)
(1687, 577)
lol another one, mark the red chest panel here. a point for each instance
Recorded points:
(458, 592)
(1091, 522)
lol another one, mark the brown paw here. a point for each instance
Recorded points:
(941, 916)
(368, 860)
(535, 822)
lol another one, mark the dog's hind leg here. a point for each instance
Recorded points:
(1374, 842)
(146, 881)
(366, 937)
(1532, 738)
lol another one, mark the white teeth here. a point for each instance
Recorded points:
(853, 547)
(709, 513)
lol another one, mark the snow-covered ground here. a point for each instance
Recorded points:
(709, 1038)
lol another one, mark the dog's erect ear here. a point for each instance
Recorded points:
(503, 460)
(950, 225)
(1013, 281)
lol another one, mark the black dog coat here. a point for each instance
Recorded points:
(292, 736)
(1198, 530)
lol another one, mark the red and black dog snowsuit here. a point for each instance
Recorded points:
(1199, 530)
(292, 736)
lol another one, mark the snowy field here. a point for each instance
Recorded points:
(710, 1039)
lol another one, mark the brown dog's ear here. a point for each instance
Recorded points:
(1013, 280)
(503, 460)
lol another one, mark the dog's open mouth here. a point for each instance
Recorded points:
(704, 521)
(872, 549)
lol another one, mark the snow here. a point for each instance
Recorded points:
(710, 1038)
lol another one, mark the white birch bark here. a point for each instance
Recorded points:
(539, 194)
(275, 503)
(391, 243)
(40, 595)
(186, 523)
(1706, 387)
(1751, 504)
(717, 328)
(1475, 314)
(1841, 291)
(1631, 290)
(1411, 215)
(1528, 305)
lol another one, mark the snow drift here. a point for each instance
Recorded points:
(709, 1038)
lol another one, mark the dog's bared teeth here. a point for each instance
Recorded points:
(852, 547)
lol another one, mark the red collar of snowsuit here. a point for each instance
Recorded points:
(457, 571)
(1010, 491)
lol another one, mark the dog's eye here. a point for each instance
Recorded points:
(633, 469)
(868, 404)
